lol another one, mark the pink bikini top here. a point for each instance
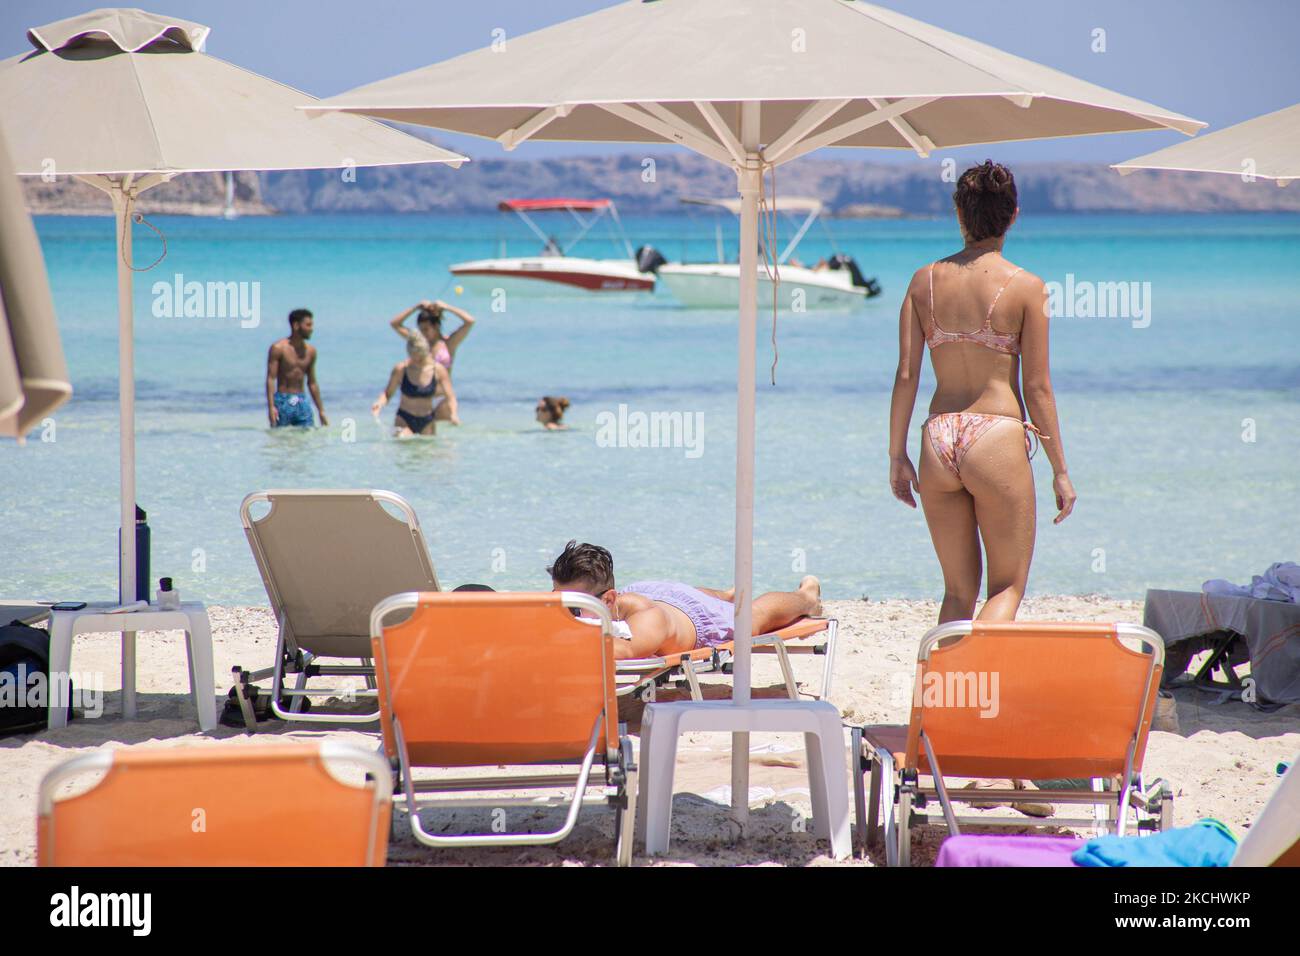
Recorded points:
(1005, 342)
(442, 354)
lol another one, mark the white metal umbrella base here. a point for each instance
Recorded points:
(817, 720)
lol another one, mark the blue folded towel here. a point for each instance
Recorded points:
(1206, 843)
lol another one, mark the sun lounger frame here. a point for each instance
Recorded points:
(289, 657)
(1152, 807)
(643, 675)
(616, 787)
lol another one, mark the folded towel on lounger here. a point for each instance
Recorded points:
(1206, 843)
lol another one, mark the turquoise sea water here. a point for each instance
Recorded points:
(1170, 493)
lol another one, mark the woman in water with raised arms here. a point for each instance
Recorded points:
(985, 320)
(443, 348)
(422, 381)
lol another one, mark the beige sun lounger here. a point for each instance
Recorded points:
(326, 559)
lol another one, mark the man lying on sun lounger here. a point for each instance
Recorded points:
(664, 617)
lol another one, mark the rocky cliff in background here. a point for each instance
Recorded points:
(194, 194)
(653, 184)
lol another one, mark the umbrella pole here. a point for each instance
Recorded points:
(122, 203)
(747, 338)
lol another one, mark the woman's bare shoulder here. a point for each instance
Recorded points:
(1024, 278)
(920, 280)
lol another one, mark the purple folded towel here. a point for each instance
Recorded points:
(995, 850)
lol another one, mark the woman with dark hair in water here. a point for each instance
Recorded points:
(986, 322)
(550, 412)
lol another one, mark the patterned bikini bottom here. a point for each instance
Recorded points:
(951, 435)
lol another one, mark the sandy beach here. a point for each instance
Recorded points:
(1220, 758)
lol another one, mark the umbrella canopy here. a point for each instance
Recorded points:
(124, 100)
(636, 72)
(33, 375)
(136, 94)
(1266, 147)
(751, 85)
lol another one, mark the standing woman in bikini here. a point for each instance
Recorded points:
(443, 347)
(422, 382)
(985, 320)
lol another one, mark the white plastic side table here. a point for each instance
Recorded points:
(819, 721)
(190, 617)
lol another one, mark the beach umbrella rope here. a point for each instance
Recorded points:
(125, 100)
(751, 86)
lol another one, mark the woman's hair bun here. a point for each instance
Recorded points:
(990, 177)
(986, 198)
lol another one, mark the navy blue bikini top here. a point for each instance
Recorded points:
(412, 390)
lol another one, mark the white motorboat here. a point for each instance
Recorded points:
(554, 272)
(834, 283)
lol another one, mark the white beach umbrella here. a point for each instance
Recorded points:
(751, 85)
(125, 100)
(1266, 147)
(33, 374)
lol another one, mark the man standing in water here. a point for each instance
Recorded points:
(288, 364)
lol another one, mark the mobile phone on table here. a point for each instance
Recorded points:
(68, 606)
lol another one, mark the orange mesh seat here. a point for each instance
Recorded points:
(222, 805)
(486, 680)
(1027, 700)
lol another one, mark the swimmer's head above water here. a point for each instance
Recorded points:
(550, 410)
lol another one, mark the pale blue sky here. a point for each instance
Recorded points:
(1217, 61)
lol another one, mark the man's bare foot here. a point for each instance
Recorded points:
(811, 587)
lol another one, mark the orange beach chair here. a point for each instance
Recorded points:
(220, 805)
(513, 679)
(641, 676)
(1028, 700)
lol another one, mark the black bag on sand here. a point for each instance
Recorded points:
(25, 687)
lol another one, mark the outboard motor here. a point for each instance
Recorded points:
(841, 261)
(649, 259)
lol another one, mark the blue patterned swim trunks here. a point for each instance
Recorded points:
(293, 409)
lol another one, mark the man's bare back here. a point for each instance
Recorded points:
(662, 628)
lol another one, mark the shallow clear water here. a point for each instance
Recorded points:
(1152, 417)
